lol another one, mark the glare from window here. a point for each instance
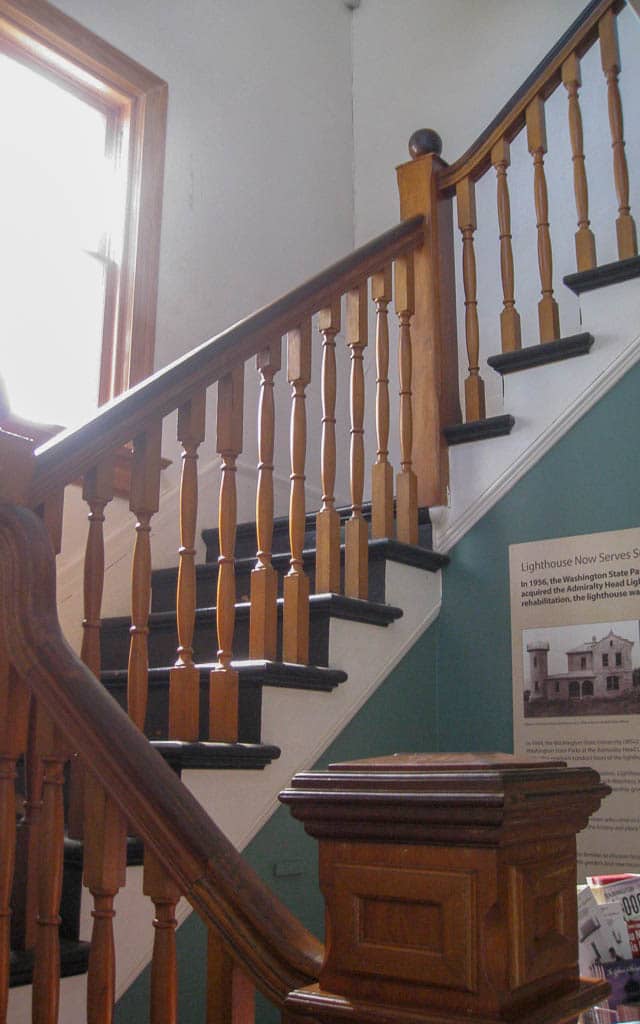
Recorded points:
(56, 219)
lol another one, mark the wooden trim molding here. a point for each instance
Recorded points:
(135, 102)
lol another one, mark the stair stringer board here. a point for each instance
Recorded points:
(546, 401)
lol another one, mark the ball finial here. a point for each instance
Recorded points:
(425, 141)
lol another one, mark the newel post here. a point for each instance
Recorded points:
(450, 889)
(435, 345)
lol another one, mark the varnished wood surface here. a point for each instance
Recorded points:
(548, 315)
(328, 519)
(223, 693)
(184, 678)
(435, 349)
(274, 948)
(68, 456)
(144, 502)
(104, 866)
(356, 555)
(585, 241)
(542, 81)
(509, 318)
(610, 59)
(14, 711)
(164, 962)
(263, 623)
(382, 472)
(295, 616)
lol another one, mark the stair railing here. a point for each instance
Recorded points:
(491, 151)
(38, 480)
(185, 853)
(412, 266)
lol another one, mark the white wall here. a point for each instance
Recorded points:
(428, 64)
(258, 196)
(451, 66)
(259, 148)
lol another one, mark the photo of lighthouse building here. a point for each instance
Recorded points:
(597, 669)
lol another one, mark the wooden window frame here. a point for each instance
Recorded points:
(41, 36)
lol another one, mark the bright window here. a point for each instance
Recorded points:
(82, 156)
(61, 217)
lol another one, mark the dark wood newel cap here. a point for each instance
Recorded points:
(423, 142)
(471, 798)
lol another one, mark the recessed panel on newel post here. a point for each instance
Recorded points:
(450, 888)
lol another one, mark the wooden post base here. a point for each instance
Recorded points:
(184, 703)
(382, 500)
(474, 403)
(295, 626)
(331, 1008)
(627, 236)
(263, 624)
(328, 552)
(407, 507)
(510, 332)
(356, 558)
(548, 319)
(585, 249)
(223, 705)
(450, 888)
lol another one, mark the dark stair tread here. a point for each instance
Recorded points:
(479, 430)
(355, 609)
(74, 959)
(207, 754)
(246, 532)
(540, 355)
(606, 274)
(254, 676)
(252, 673)
(406, 554)
(389, 549)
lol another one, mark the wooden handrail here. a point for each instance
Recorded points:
(542, 81)
(273, 947)
(68, 456)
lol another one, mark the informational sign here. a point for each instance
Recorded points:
(575, 628)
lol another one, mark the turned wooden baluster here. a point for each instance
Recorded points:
(382, 472)
(474, 384)
(25, 902)
(406, 484)
(14, 717)
(584, 239)
(295, 628)
(230, 993)
(610, 58)
(97, 491)
(164, 965)
(356, 553)
(328, 518)
(548, 316)
(184, 677)
(509, 317)
(223, 680)
(263, 624)
(144, 501)
(46, 970)
(105, 866)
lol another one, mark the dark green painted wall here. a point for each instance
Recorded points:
(452, 691)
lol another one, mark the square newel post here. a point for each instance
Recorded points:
(436, 400)
(450, 889)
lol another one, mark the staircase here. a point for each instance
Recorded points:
(251, 660)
